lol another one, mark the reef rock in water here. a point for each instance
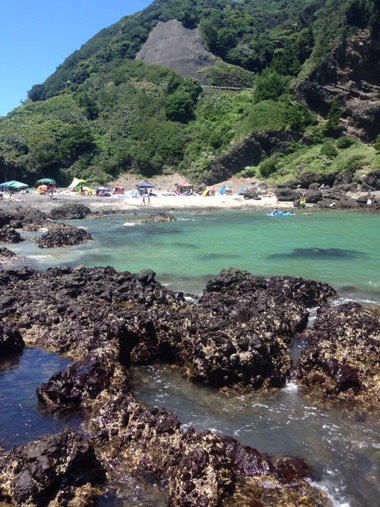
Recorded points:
(236, 336)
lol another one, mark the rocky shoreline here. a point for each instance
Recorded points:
(235, 337)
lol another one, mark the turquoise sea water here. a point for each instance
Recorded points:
(340, 248)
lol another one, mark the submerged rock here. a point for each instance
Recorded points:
(63, 235)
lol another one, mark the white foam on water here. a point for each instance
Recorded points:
(291, 387)
(335, 497)
(130, 224)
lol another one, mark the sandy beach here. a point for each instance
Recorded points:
(164, 199)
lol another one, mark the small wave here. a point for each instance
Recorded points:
(130, 224)
(335, 497)
(291, 387)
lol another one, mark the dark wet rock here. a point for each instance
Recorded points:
(342, 361)
(6, 254)
(82, 380)
(56, 468)
(19, 217)
(339, 200)
(106, 321)
(251, 193)
(161, 217)
(10, 338)
(198, 468)
(69, 212)
(9, 235)
(63, 235)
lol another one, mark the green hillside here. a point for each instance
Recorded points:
(102, 113)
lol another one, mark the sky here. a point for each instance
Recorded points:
(36, 36)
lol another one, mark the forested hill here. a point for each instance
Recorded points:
(294, 83)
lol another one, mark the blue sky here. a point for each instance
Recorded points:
(37, 35)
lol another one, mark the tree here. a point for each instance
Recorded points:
(270, 85)
(333, 118)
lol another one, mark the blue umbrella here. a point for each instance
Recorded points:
(145, 184)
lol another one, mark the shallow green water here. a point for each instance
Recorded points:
(340, 248)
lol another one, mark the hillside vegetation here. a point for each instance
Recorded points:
(103, 113)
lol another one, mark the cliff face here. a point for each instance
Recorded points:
(172, 45)
(351, 76)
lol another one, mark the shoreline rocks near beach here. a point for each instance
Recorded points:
(235, 337)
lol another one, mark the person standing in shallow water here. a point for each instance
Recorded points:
(302, 201)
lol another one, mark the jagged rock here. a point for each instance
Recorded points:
(161, 217)
(18, 217)
(342, 361)
(371, 181)
(69, 212)
(63, 235)
(351, 77)
(172, 45)
(80, 381)
(248, 152)
(338, 200)
(10, 235)
(287, 194)
(251, 194)
(198, 468)
(10, 338)
(6, 254)
(55, 468)
(306, 178)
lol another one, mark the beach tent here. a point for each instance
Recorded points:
(118, 190)
(184, 187)
(224, 189)
(75, 183)
(241, 190)
(14, 185)
(45, 181)
(87, 190)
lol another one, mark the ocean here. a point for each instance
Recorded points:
(337, 247)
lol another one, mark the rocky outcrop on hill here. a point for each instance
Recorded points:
(172, 45)
(351, 76)
(249, 152)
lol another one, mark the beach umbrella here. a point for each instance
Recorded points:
(145, 184)
(13, 184)
(45, 180)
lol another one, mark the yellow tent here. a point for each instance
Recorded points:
(75, 183)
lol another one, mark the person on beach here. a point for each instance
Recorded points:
(302, 201)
